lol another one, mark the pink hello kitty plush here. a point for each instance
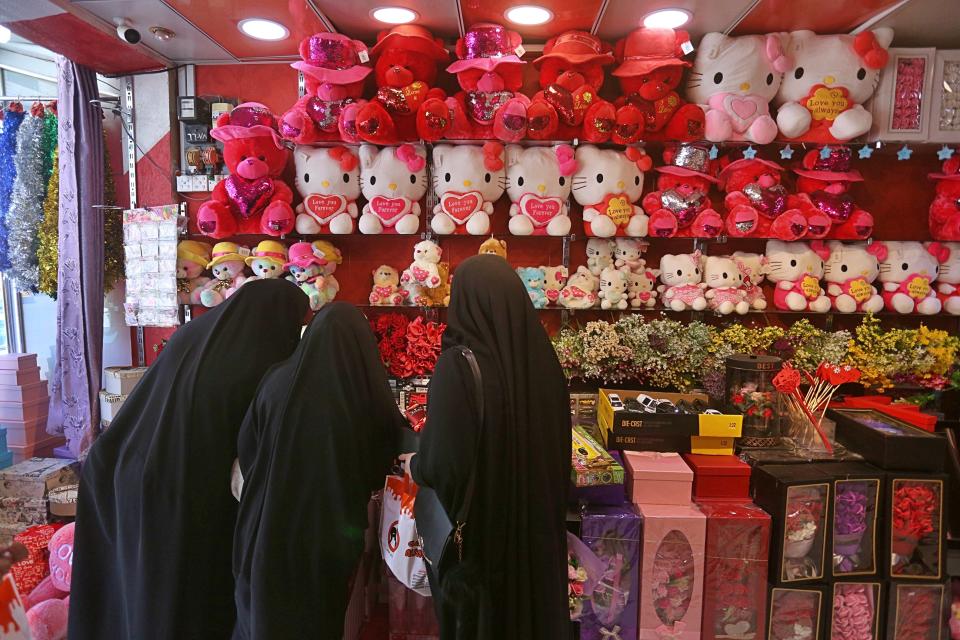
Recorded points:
(907, 272)
(682, 286)
(393, 180)
(49, 602)
(849, 272)
(607, 183)
(538, 183)
(681, 206)
(752, 266)
(796, 268)
(734, 79)
(725, 291)
(328, 180)
(468, 180)
(948, 282)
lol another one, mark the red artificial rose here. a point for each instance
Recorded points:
(787, 380)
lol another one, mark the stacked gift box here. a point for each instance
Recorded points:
(24, 404)
(25, 490)
(118, 383)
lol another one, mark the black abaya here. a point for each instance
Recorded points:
(155, 518)
(515, 542)
(318, 440)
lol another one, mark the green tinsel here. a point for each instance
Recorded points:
(26, 204)
(48, 250)
(113, 258)
(49, 142)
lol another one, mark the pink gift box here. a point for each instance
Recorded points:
(27, 393)
(657, 478)
(25, 433)
(18, 361)
(671, 584)
(23, 411)
(22, 377)
(40, 449)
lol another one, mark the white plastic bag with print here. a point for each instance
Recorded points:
(399, 542)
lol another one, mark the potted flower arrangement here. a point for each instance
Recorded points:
(914, 506)
(849, 523)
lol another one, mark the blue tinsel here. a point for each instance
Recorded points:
(8, 173)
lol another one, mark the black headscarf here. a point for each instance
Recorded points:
(319, 438)
(515, 536)
(155, 517)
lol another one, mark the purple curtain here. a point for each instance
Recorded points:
(75, 384)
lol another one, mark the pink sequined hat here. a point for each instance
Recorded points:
(485, 46)
(247, 120)
(836, 167)
(332, 58)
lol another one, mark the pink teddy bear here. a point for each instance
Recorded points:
(48, 604)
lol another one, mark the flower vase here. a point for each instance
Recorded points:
(796, 549)
(904, 543)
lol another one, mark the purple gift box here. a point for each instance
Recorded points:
(612, 495)
(613, 534)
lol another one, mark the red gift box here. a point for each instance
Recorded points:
(719, 477)
(30, 572)
(735, 570)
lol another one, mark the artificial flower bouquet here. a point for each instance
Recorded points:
(855, 613)
(917, 611)
(796, 613)
(408, 348)
(856, 503)
(916, 532)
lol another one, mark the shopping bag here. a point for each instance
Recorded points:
(13, 617)
(399, 541)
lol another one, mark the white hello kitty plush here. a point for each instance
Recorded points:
(725, 292)
(907, 272)
(600, 254)
(752, 266)
(538, 183)
(822, 95)
(642, 289)
(629, 254)
(948, 282)
(607, 183)
(554, 279)
(393, 180)
(613, 288)
(467, 180)
(796, 268)
(328, 179)
(424, 270)
(580, 291)
(682, 287)
(849, 273)
(734, 79)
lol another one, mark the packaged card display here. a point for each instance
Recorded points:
(915, 505)
(856, 611)
(735, 570)
(917, 611)
(150, 249)
(797, 613)
(887, 442)
(719, 477)
(857, 502)
(655, 477)
(613, 535)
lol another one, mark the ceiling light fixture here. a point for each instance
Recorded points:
(4, 35)
(262, 29)
(394, 15)
(528, 14)
(667, 19)
(162, 33)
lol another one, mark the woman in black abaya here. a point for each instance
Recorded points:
(155, 518)
(512, 584)
(319, 438)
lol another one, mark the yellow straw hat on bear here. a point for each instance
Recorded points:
(270, 250)
(226, 252)
(194, 251)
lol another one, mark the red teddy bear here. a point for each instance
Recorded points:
(571, 74)
(252, 199)
(405, 65)
(758, 204)
(651, 70)
(945, 208)
(681, 206)
(490, 105)
(334, 78)
(825, 183)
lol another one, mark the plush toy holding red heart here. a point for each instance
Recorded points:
(758, 204)
(681, 206)
(539, 181)
(825, 182)
(328, 180)
(468, 180)
(252, 199)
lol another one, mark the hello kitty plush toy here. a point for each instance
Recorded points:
(948, 282)
(227, 266)
(907, 273)
(734, 79)
(306, 270)
(554, 279)
(267, 260)
(608, 182)
(944, 217)
(334, 77)
(533, 281)
(752, 267)
(386, 290)
(796, 269)
(468, 180)
(642, 288)
(423, 270)
(681, 206)
(600, 252)
(822, 94)
(393, 180)
(538, 183)
(629, 254)
(613, 288)
(757, 203)
(580, 292)
(328, 180)
(192, 259)
(490, 104)
(725, 291)
(682, 286)
(849, 273)
(825, 182)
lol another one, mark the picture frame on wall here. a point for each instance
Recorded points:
(901, 104)
(945, 97)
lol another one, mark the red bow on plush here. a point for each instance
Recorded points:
(493, 156)
(347, 160)
(870, 51)
(644, 162)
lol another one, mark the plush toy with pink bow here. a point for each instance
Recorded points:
(948, 281)
(908, 271)
(328, 179)
(393, 180)
(468, 180)
(850, 271)
(538, 183)
(758, 204)
(944, 216)
(681, 205)
(734, 79)
(825, 183)
(608, 183)
(796, 268)
(252, 199)
(753, 267)
(682, 276)
(334, 75)
(49, 603)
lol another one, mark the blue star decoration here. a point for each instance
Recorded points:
(714, 152)
(945, 153)
(750, 153)
(786, 153)
(825, 153)
(904, 153)
(865, 152)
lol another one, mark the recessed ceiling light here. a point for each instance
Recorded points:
(262, 29)
(394, 15)
(667, 19)
(162, 33)
(528, 14)
(4, 35)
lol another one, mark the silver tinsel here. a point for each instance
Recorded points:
(26, 205)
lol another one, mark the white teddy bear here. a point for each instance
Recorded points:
(424, 269)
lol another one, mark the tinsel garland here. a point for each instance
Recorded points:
(48, 249)
(113, 258)
(49, 143)
(26, 205)
(12, 119)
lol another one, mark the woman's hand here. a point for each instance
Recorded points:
(405, 459)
